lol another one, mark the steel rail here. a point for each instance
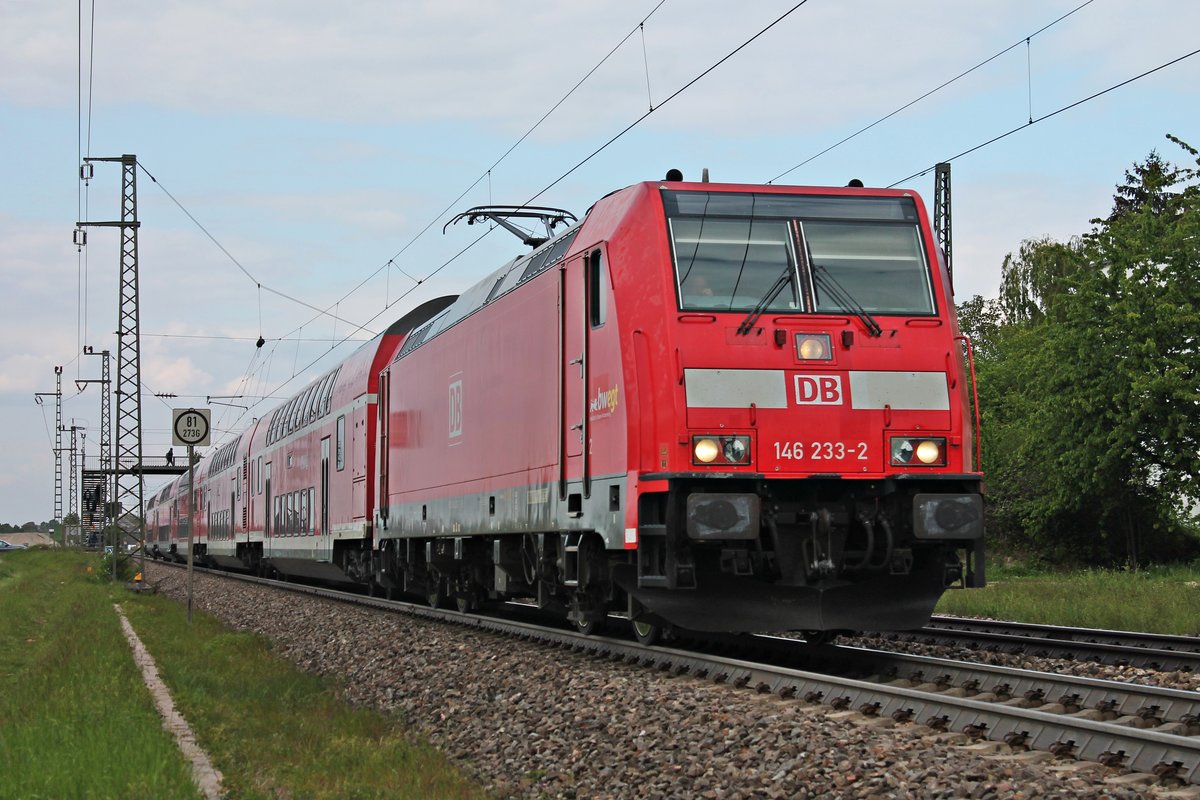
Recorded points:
(1166, 709)
(1154, 641)
(1120, 648)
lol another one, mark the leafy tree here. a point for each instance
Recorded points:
(1039, 280)
(980, 320)
(1148, 184)
(1089, 375)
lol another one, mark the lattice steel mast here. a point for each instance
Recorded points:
(58, 431)
(128, 466)
(73, 485)
(941, 214)
(98, 487)
(58, 448)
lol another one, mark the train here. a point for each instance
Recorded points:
(703, 406)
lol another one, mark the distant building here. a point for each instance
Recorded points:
(34, 539)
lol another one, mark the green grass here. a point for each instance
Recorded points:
(76, 720)
(1154, 600)
(269, 727)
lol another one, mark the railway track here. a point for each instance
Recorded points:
(1137, 705)
(1124, 726)
(1118, 648)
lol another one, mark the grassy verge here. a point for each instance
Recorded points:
(274, 731)
(75, 717)
(1155, 600)
(77, 721)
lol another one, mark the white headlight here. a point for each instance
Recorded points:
(928, 452)
(706, 450)
(813, 347)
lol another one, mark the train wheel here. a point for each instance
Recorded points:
(589, 627)
(434, 595)
(646, 633)
(466, 603)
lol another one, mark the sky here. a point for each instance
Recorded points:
(299, 159)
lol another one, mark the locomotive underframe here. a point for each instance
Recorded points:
(726, 554)
(812, 554)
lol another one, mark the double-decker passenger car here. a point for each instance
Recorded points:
(294, 493)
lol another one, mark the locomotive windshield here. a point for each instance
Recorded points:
(731, 249)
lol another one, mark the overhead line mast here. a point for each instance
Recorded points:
(128, 467)
(941, 214)
(58, 448)
(97, 486)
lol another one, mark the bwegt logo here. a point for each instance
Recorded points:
(605, 400)
(818, 390)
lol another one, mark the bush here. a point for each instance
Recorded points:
(126, 568)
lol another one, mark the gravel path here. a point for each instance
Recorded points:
(538, 722)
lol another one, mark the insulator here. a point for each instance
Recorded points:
(79, 237)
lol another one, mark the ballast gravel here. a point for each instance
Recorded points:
(532, 721)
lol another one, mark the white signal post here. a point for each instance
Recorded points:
(191, 428)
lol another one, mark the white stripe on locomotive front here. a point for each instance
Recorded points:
(767, 388)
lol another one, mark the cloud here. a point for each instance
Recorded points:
(503, 64)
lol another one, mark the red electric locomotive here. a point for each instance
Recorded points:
(716, 406)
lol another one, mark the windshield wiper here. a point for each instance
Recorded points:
(825, 280)
(783, 280)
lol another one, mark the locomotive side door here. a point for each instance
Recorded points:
(383, 441)
(325, 486)
(573, 371)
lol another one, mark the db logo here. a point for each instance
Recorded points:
(818, 390)
(456, 409)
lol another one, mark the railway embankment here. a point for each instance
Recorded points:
(311, 697)
(537, 721)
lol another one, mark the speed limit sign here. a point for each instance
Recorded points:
(191, 427)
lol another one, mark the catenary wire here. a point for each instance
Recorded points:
(390, 262)
(488, 172)
(230, 256)
(1045, 117)
(637, 121)
(760, 33)
(932, 91)
(322, 356)
(214, 337)
(671, 97)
